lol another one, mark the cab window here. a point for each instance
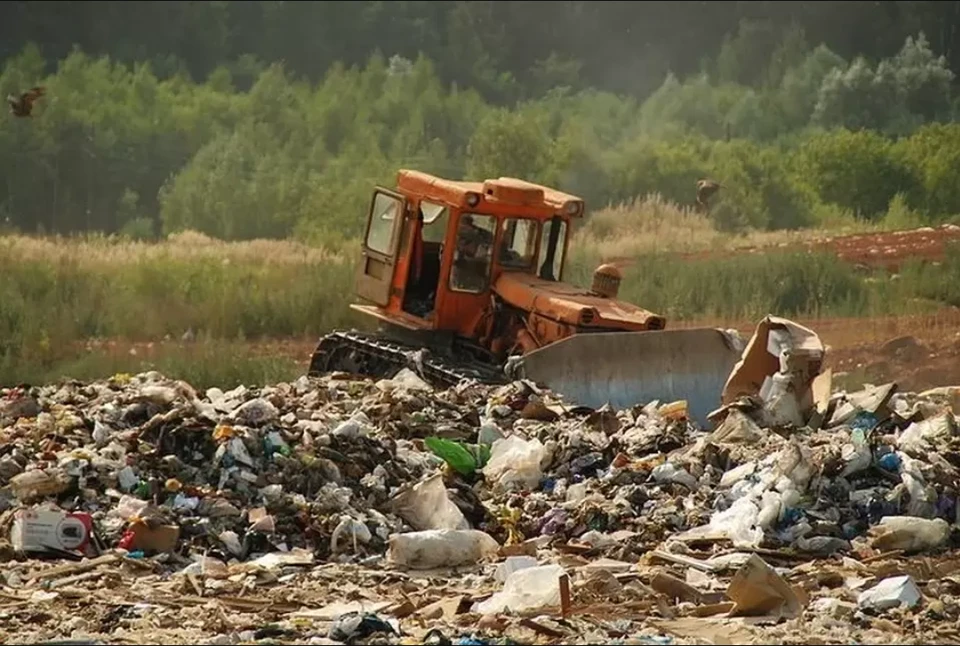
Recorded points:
(550, 258)
(473, 254)
(518, 243)
(382, 216)
(435, 217)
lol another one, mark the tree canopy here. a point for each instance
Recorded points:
(274, 119)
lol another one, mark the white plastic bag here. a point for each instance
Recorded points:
(922, 437)
(738, 523)
(513, 564)
(526, 589)
(922, 497)
(351, 532)
(515, 463)
(427, 506)
(357, 426)
(406, 379)
(437, 548)
(909, 533)
(769, 510)
(738, 474)
(668, 472)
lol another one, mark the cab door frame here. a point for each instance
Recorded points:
(374, 279)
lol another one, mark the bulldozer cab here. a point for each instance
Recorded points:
(433, 248)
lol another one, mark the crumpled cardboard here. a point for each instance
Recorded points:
(872, 399)
(757, 590)
(737, 428)
(779, 365)
(152, 538)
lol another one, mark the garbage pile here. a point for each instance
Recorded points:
(349, 510)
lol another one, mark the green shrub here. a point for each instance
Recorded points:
(854, 170)
(933, 154)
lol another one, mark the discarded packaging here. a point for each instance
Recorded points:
(526, 589)
(891, 593)
(757, 590)
(909, 534)
(515, 463)
(150, 538)
(437, 548)
(49, 530)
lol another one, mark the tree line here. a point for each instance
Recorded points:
(797, 132)
(508, 50)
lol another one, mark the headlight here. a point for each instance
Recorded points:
(473, 199)
(572, 207)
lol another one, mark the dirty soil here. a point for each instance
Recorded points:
(888, 250)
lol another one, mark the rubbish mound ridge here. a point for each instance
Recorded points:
(344, 510)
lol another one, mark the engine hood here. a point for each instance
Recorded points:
(573, 305)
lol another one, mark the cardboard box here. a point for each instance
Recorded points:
(44, 529)
(162, 538)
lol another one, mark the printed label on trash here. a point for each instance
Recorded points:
(43, 529)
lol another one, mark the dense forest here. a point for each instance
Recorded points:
(273, 119)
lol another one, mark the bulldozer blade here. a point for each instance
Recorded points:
(627, 369)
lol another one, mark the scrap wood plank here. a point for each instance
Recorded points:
(76, 578)
(237, 603)
(679, 559)
(610, 609)
(15, 604)
(540, 628)
(776, 554)
(881, 556)
(74, 568)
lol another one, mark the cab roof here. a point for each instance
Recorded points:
(503, 191)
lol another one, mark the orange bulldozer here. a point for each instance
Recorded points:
(464, 280)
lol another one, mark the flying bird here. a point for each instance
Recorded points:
(705, 190)
(22, 106)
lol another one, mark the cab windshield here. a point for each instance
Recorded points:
(518, 243)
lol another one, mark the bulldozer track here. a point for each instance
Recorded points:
(374, 356)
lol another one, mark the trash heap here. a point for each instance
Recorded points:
(347, 510)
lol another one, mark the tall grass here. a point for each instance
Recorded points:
(55, 293)
(794, 284)
(652, 224)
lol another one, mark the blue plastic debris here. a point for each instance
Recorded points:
(890, 462)
(791, 516)
(864, 421)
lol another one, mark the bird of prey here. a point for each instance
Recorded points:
(22, 106)
(705, 190)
